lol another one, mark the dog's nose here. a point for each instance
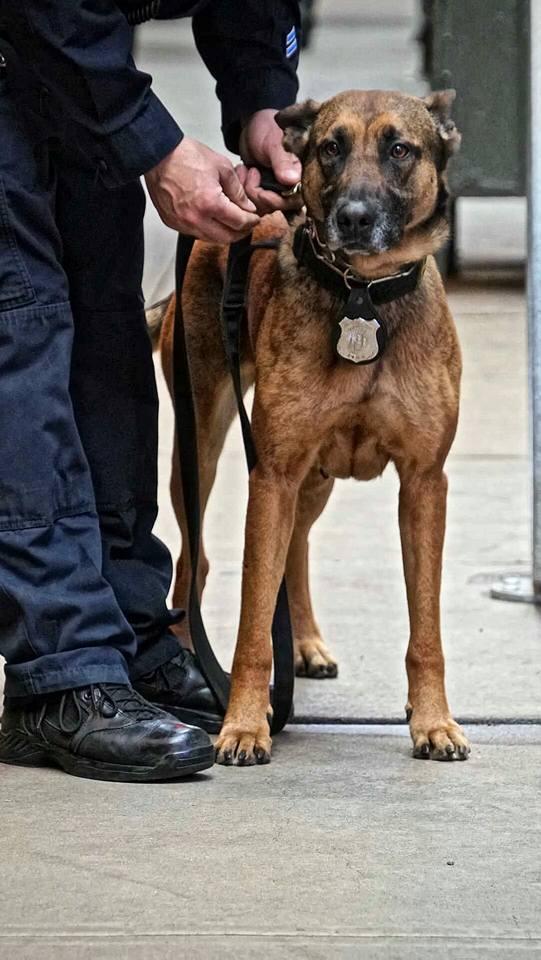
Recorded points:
(354, 217)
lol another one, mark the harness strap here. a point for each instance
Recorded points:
(232, 317)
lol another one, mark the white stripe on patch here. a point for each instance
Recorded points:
(291, 42)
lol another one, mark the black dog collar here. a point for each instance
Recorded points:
(361, 335)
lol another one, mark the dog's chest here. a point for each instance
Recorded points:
(353, 451)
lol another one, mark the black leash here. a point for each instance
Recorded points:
(186, 434)
(233, 313)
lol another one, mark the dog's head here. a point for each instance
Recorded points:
(374, 171)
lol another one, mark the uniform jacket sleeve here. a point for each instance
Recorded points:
(251, 48)
(81, 50)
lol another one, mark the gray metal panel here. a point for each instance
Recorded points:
(480, 47)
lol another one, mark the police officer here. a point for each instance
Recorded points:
(84, 626)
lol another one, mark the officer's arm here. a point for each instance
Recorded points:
(81, 50)
(250, 47)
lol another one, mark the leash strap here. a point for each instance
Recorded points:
(186, 436)
(232, 317)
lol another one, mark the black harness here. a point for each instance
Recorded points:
(359, 298)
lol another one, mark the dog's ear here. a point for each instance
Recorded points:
(439, 106)
(296, 122)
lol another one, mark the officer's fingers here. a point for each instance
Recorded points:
(242, 173)
(269, 198)
(267, 201)
(200, 224)
(233, 188)
(228, 214)
(264, 200)
(285, 166)
(215, 232)
(230, 236)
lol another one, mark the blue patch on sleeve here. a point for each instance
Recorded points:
(291, 42)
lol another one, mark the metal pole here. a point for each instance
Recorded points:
(527, 588)
(534, 278)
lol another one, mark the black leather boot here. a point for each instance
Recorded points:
(180, 688)
(104, 732)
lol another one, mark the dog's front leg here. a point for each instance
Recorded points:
(245, 735)
(423, 496)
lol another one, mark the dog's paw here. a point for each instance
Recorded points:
(437, 738)
(241, 748)
(313, 659)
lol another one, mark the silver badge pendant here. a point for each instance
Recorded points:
(358, 341)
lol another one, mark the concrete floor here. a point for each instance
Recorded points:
(344, 846)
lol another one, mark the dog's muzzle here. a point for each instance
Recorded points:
(362, 226)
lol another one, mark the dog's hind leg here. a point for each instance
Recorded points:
(312, 658)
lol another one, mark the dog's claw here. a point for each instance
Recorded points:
(313, 660)
(321, 671)
(442, 755)
(236, 747)
(437, 738)
(245, 759)
(224, 757)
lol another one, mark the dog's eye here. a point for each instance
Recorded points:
(399, 151)
(331, 148)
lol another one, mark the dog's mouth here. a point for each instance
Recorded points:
(359, 249)
(362, 236)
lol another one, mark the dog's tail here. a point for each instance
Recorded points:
(155, 317)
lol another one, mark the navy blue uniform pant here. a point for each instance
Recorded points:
(83, 582)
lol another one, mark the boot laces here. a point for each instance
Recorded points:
(107, 700)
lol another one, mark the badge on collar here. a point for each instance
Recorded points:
(358, 340)
(362, 336)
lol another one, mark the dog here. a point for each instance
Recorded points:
(336, 398)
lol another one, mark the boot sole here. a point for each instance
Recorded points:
(22, 751)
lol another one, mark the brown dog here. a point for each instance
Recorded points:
(374, 192)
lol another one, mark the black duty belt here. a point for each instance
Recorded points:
(233, 312)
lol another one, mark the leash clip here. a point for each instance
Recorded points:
(348, 277)
(293, 191)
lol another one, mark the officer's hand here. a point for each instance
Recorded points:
(261, 142)
(197, 191)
